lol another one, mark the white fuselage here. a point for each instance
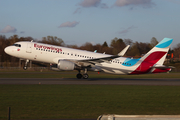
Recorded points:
(52, 54)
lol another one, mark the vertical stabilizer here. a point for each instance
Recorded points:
(155, 57)
(158, 53)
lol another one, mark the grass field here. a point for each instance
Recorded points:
(87, 101)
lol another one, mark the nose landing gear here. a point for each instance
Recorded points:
(25, 66)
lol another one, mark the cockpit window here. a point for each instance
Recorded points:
(17, 45)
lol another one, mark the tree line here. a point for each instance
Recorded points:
(137, 49)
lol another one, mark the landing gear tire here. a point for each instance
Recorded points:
(79, 76)
(25, 67)
(85, 76)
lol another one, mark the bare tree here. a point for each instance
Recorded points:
(117, 45)
(154, 42)
(53, 40)
(177, 51)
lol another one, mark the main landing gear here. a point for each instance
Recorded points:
(84, 76)
(25, 66)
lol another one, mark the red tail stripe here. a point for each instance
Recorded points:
(154, 57)
(146, 65)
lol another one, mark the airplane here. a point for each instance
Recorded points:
(63, 58)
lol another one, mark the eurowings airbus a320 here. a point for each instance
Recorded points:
(63, 58)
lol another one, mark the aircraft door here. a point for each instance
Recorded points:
(29, 47)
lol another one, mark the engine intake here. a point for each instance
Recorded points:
(65, 65)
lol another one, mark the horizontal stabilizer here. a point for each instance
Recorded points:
(163, 67)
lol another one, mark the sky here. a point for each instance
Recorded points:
(96, 21)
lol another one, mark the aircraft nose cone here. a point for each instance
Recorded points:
(7, 50)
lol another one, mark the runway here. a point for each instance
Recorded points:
(91, 81)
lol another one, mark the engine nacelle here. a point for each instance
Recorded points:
(54, 67)
(65, 65)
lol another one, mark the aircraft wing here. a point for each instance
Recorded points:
(104, 59)
(87, 62)
(99, 60)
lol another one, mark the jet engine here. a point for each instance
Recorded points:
(63, 65)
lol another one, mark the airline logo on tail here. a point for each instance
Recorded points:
(154, 59)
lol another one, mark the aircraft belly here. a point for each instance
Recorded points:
(114, 71)
(118, 69)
